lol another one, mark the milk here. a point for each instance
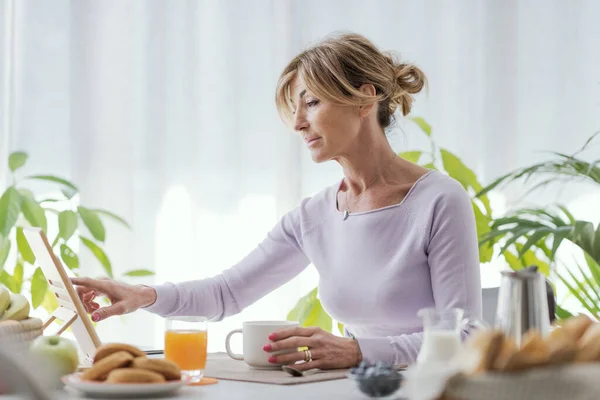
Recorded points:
(439, 346)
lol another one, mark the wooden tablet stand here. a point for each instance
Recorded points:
(71, 311)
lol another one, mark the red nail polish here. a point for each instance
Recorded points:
(95, 317)
(272, 360)
(267, 347)
(272, 336)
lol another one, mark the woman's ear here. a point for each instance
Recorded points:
(369, 91)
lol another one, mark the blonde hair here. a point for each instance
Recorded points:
(335, 69)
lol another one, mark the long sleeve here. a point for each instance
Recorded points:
(453, 258)
(276, 260)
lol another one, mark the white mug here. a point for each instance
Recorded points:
(255, 337)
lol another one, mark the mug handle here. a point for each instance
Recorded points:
(228, 345)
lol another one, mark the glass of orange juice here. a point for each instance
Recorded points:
(185, 345)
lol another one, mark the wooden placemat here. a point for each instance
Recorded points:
(221, 366)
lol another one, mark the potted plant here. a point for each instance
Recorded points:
(543, 230)
(77, 225)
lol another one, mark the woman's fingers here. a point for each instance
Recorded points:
(290, 343)
(88, 284)
(91, 307)
(296, 331)
(106, 312)
(290, 358)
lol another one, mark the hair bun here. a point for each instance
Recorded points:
(408, 80)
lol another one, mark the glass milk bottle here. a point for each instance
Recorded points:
(441, 334)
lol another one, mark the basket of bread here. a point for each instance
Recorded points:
(565, 364)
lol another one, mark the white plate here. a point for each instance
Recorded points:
(74, 381)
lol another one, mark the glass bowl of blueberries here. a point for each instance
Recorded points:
(376, 380)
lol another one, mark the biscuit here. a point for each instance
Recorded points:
(166, 368)
(534, 352)
(589, 345)
(484, 345)
(100, 370)
(577, 326)
(562, 348)
(110, 348)
(509, 347)
(134, 375)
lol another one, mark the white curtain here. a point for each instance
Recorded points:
(163, 112)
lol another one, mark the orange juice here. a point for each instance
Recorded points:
(186, 348)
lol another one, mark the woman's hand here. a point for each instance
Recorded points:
(328, 351)
(124, 298)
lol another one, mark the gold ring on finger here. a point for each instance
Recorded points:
(307, 356)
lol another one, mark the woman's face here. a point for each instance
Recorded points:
(327, 129)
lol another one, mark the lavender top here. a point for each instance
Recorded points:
(377, 268)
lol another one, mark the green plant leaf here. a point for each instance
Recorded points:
(530, 258)
(583, 235)
(26, 193)
(49, 303)
(138, 272)
(34, 213)
(23, 247)
(67, 224)
(583, 290)
(69, 257)
(113, 216)
(4, 250)
(309, 312)
(16, 160)
(512, 260)
(594, 267)
(591, 286)
(10, 207)
(516, 235)
(559, 235)
(425, 127)
(562, 314)
(67, 186)
(99, 254)
(412, 156)
(9, 281)
(596, 245)
(39, 287)
(533, 239)
(18, 277)
(93, 223)
(486, 250)
(318, 317)
(459, 171)
(303, 307)
(577, 295)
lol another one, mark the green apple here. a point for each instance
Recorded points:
(4, 300)
(18, 308)
(59, 352)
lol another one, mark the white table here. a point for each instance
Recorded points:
(233, 390)
(230, 390)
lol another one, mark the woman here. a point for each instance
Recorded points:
(389, 239)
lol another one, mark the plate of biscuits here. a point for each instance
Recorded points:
(124, 370)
